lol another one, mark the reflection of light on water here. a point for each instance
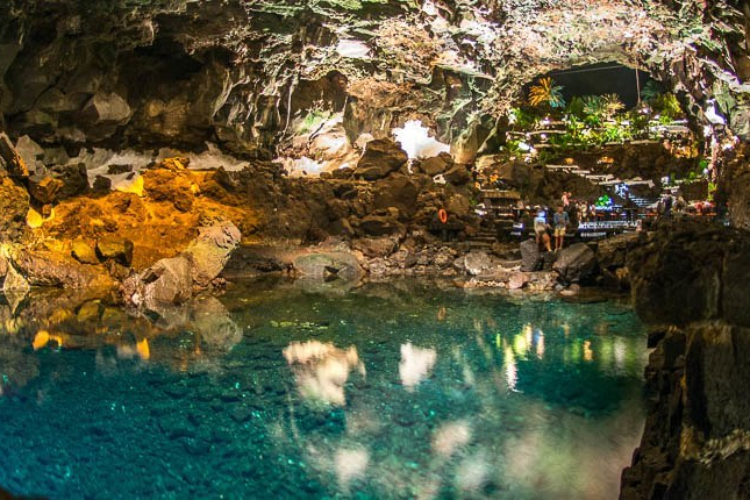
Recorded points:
(473, 473)
(321, 370)
(520, 344)
(620, 353)
(450, 437)
(528, 331)
(511, 372)
(43, 338)
(143, 349)
(415, 364)
(566, 329)
(350, 465)
(540, 345)
(588, 353)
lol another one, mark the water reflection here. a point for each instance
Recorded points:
(55, 321)
(321, 370)
(300, 393)
(415, 365)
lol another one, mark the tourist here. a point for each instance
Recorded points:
(583, 211)
(566, 199)
(540, 228)
(562, 221)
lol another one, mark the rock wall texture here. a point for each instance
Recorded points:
(239, 72)
(690, 284)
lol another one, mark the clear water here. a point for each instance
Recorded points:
(286, 391)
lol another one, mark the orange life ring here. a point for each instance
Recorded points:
(443, 215)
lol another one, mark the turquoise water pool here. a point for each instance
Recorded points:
(409, 390)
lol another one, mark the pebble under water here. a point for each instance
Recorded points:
(398, 390)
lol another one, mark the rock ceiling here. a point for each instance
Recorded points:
(237, 71)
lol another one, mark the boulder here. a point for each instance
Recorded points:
(29, 151)
(74, 179)
(106, 108)
(118, 249)
(168, 281)
(476, 262)
(211, 250)
(396, 191)
(518, 281)
(458, 175)
(14, 206)
(381, 157)
(45, 189)
(52, 269)
(380, 225)
(612, 252)
(324, 265)
(14, 281)
(575, 263)
(10, 160)
(341, 227)
(437, 164)
(83, 253)
(376, 247)
(531, 258)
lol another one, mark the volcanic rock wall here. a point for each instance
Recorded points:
(690, 284)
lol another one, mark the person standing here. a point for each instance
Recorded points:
(540, 228)
(561, 220)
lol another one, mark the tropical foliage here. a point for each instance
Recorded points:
(612, 105)
(546, 92)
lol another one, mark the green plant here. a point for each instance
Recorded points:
(612, 105)
(667, 105)
(576, 107)
(593, 109)
(651, 92)
(546, 92)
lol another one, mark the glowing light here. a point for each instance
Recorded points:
(417, 143)
(353, 49)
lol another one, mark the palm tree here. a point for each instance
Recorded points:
(612, 104)
(593, 105)
(546, 92)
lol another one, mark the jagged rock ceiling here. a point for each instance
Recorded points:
(181, 72)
